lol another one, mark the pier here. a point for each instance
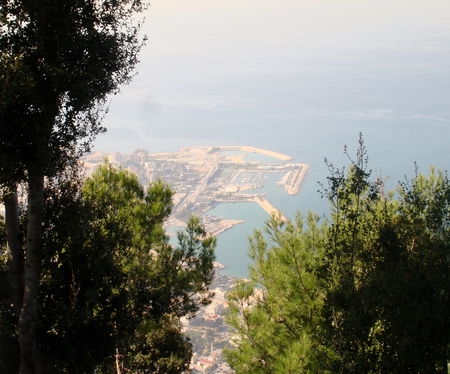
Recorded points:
(267, 206)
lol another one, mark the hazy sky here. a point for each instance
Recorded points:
(299, 77)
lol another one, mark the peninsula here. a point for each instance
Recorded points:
(206, 176)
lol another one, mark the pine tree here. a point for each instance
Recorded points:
(112, 287)
(275, 316)
(368, 292)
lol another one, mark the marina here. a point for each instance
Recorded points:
(203, 177)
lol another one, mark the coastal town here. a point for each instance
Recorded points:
(203, 177)
(208, 332)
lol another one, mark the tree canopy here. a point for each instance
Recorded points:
(366, 291)
(112, 288)
(276, 314)
(59, 60)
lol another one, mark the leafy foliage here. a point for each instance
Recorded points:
(276, 315)
(59, 60)
(8, 335)
(112, 287)
(159, 348)
(376, 283)
(386, 274)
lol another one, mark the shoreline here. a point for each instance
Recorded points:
(225, 225)
(213, 229)
(295, 189)
(243, 148)
(268, 207)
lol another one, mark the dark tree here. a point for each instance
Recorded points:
(59, 61)
(112, 289)
(368, 293)
(386, 273)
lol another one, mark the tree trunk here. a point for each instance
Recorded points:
(31, 358)
(445, 362)
(15, 252)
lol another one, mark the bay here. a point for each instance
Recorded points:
(233, 244)
(302, 88)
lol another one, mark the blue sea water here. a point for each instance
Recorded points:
(386, 77)
(233, 244)
(393, 159)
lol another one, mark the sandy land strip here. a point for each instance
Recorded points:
(222, 226)
(215, 228)
(268, 207)
(203, 151)
(175, 222)
(249, 187)
(256, 150)
(295, 189)
(163, 154)
(239, 159)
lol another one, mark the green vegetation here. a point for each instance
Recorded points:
(277, 314)
(365, 291)
(59, 61)
(112, 290)
(89, 282)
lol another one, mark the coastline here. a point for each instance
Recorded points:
(212, 229)
(278, 155)
(205, 177)
(224, 225)
(294, 188)
(244, 148)
(268, 207)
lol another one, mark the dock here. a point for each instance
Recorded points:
(267, 206)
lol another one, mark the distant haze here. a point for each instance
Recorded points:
(298, 77)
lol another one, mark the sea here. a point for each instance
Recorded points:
(233, 244)
(299, 78)
(399, 158)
